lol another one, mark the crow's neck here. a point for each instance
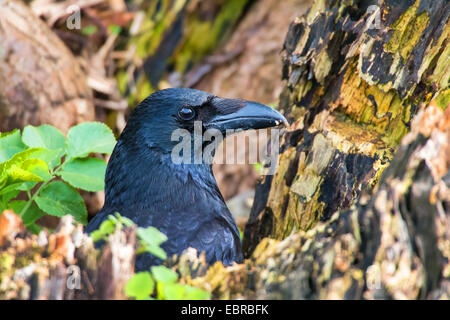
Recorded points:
(140, 177)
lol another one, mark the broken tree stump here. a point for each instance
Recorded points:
(63, 264)
(354, 77)
(393, 244)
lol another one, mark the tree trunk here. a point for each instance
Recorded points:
(40, 80)
(339, 224)
(360, 205)
(354, 79)
(393, 244)
(246, 68)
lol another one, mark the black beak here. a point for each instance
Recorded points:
(252, 115)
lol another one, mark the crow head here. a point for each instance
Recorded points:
(182, 200)
(159, 115)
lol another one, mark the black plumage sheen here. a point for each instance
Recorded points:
(181, 200)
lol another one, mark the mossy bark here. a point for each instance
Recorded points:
(173, 37)
(360, 204)
(355, 76)
(394, 244)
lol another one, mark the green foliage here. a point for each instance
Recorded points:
(140, 286)
(109, 226)
(89, 137)
(114, 29)
(168, 289)
(46, 168)
(164, 274)
(159, 282)
(10, 144)
(44, 136)
(89, 30)
(34, 163)
(58, 199)
(151, 239)
(87, 174)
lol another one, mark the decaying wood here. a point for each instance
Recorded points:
(360, 205)
(40, 80)
(393, 244)
(354, 78)
(341, 225)
(62, 265)
(248, 67)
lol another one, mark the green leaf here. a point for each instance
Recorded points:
(87, 174)
(114, 29)
(34, 228)
(32, 153)
(140, 286)
(26, 166)
(89, 30)
(49, 141)
(11, 191)
(10, 144)
(59, 199)
(22, 169)
(7, 196)
(171, 291)
(51, 157)
(27, 186)
(89, 137)
(177, 291)
(151, 235)
(44, 136)
(193, 293)
(20, 186)
(151, 239)
(30, 215)
(106, 228)
(29, 170)
(123, 220)
(164, 274)
(34, 166)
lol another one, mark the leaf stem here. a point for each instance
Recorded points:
(45, 183)
(29, 202)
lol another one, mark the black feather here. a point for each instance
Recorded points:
(181, 200)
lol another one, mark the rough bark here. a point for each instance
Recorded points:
(392, 245)
(64, 264)
(359, 207)
(40, 80)
(248, 66)
(354, 79)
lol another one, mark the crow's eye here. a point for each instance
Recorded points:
(186, 113)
